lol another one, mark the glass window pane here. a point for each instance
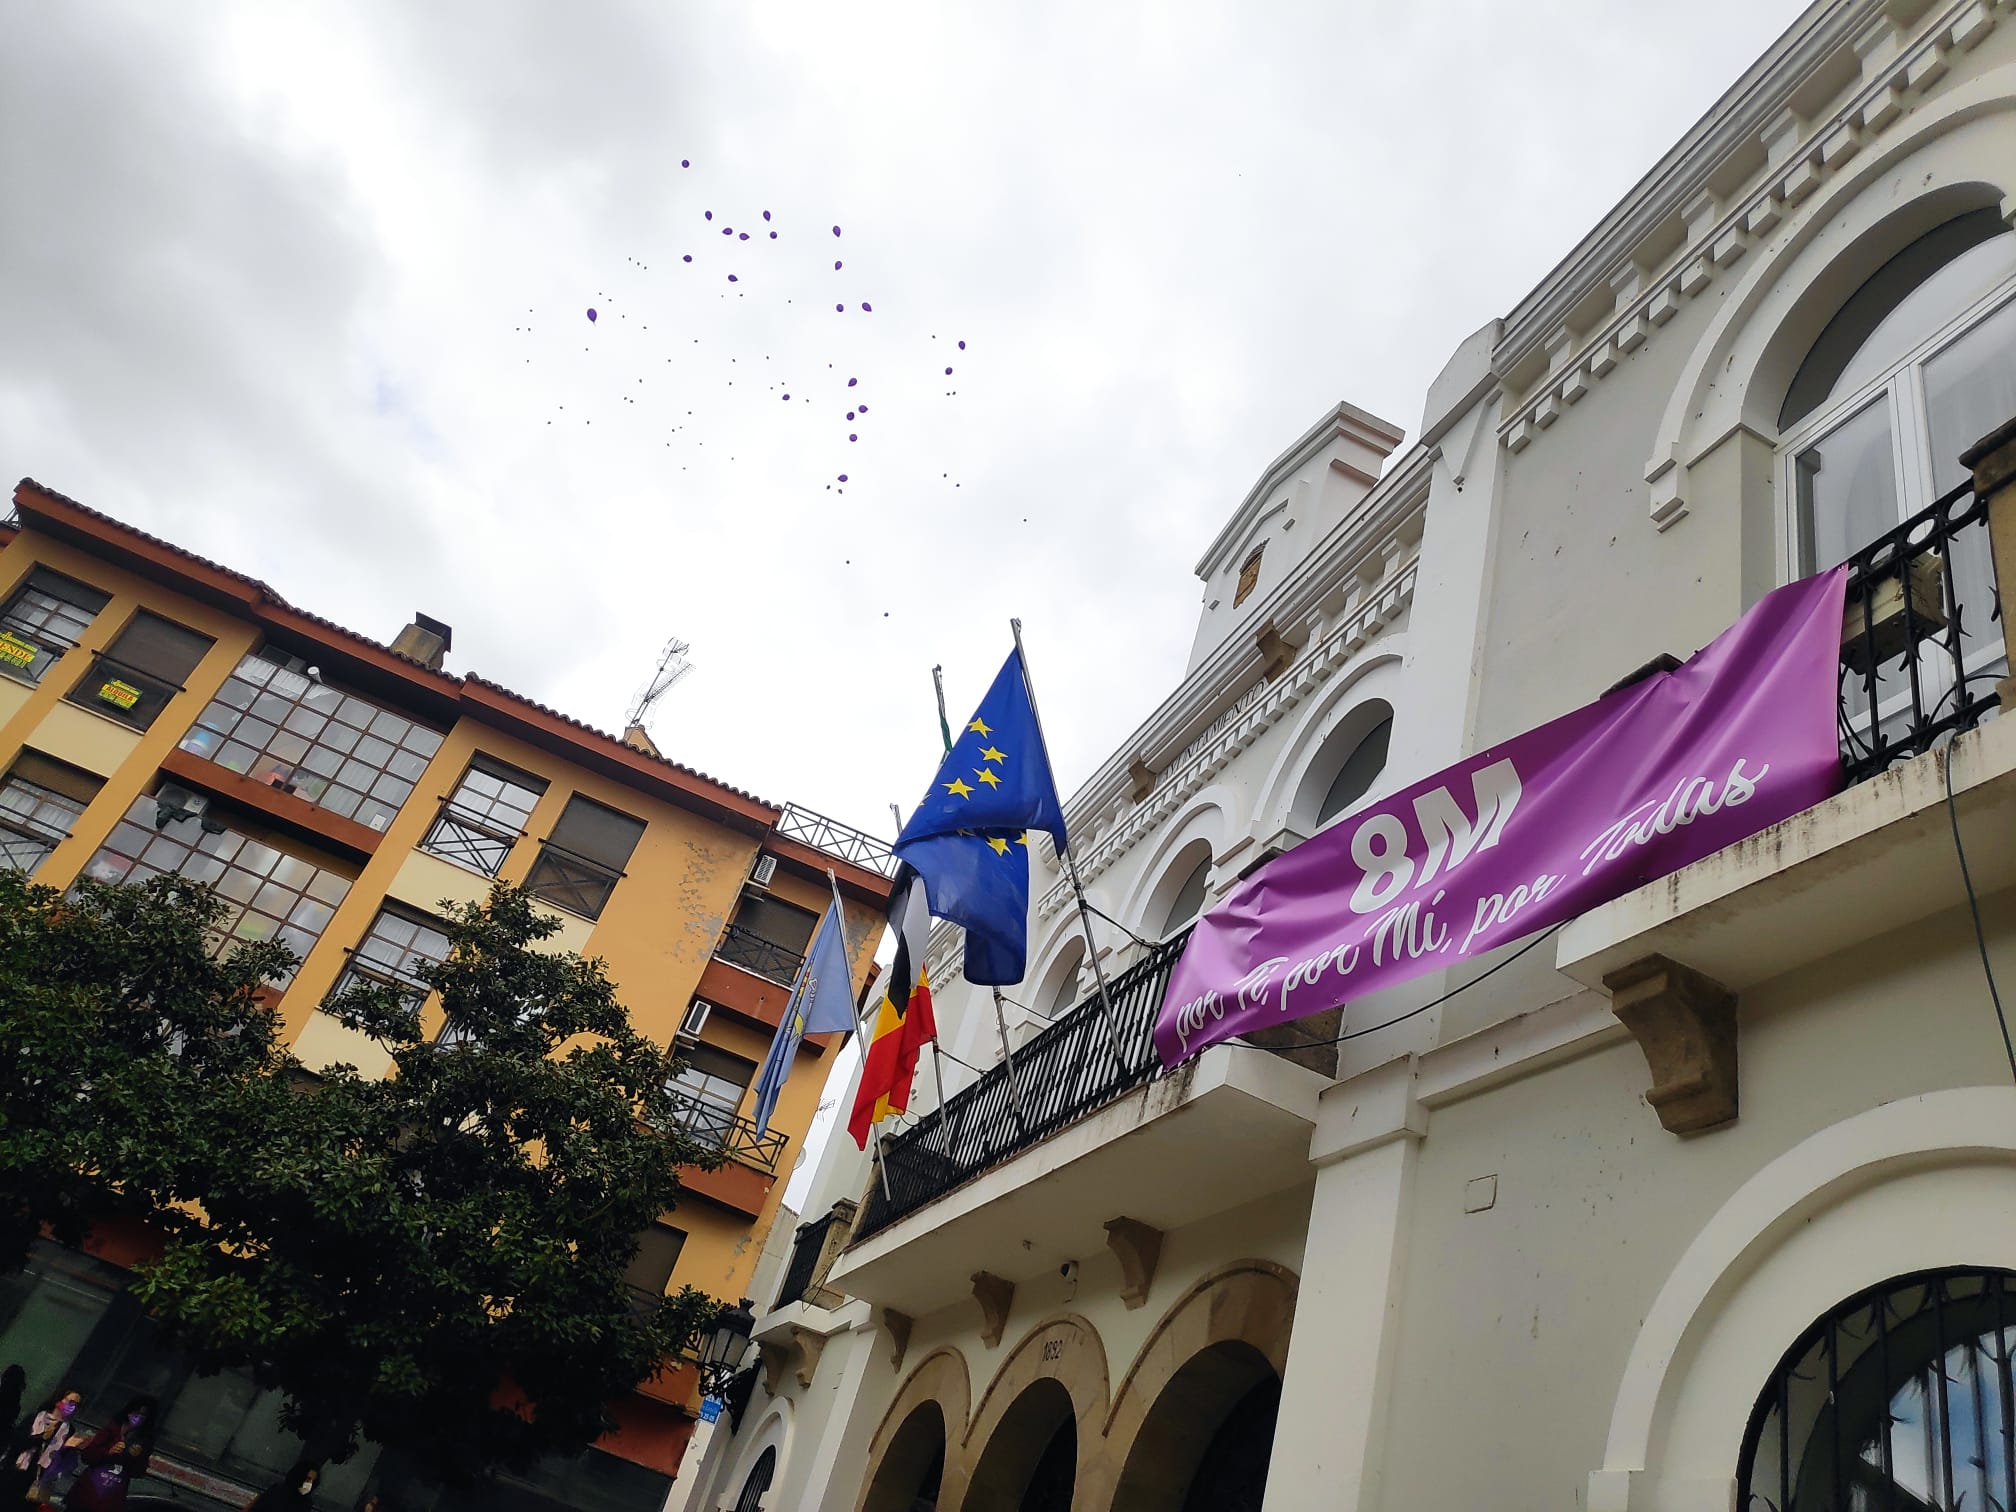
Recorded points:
(1924, 287)
(1845, 487)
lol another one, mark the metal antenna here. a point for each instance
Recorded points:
(672, 665)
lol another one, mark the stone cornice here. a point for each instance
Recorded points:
(1743, 113)
(1798, 156)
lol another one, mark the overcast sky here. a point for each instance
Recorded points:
(304, 288)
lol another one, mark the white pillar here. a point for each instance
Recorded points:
(1328, 1437)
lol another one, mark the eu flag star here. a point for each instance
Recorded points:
(958, 785)
(1000, 846)
(986, 775)
(988, 753)
(980, 726)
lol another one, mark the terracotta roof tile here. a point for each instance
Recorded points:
(449, 682)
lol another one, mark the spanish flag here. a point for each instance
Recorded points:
(903, 1021)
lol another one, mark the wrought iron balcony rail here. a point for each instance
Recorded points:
(462, 837)
(806, 1248)
(1923, 642)
(1062, 1074)
(836, 839)
(719, 1128)
(742, 946)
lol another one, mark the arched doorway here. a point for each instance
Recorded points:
(909, 1477)
(757, 1486)
(1900, 1397)
(1030, 1463)
(1205, 1443)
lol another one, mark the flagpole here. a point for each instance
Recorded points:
(1000, 1014)
(874, 1129)
(937, 1056)
(1070, 865)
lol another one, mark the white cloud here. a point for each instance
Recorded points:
(266, 272)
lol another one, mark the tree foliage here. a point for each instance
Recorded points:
(433, 1259)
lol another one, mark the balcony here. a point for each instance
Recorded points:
(744, 947)
(807, 1249)
(1059, 1076)
(470, 840)
(743, 1180)
(836, 839)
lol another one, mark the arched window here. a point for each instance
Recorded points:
(1899, 1397)
(757, 1486)
(1189, 899)
(1360, 770)
(1917, 365)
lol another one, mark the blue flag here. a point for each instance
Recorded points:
(968, 839)
(821, 1003)
(996, 778)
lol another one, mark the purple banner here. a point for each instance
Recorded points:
(1528, 833)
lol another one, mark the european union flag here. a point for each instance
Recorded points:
(968, 839)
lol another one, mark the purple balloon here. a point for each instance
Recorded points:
(766, 215)
(868, 307)
(773, 236)
(591, 312)
(745, 235)
(864, 409)
(727, 230)
(685, 163)
(948, 372)
(708, 213)
(841, 308)
(852, 381)
(853, 438)
(836, 267)
(787, 398)
(850, 414)
(689, 257)
(962, 346)
(836, 230)
(843, 479)
(731, 279)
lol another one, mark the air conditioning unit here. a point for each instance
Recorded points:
(766, 868)
(695, 1021)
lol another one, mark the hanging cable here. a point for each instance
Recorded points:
(1144, 944)
(1401, 1018)
(1974, 908)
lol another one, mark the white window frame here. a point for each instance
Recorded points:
(1901, 387)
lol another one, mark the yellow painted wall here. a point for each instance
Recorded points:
(656, 934)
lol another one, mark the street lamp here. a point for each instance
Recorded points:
(722, 1351)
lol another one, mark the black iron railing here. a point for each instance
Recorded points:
(1923, 644)
(720, 1129)
(460, 836)
(742, 946)
(1065, 1072)
(836, 839)
(805, 1252)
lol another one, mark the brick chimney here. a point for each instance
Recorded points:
(425, 641)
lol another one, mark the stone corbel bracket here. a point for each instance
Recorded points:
(995, 1297)
(1137, 1246)
(898, 1326)
(773, 1357)
(1686, 1025)
(810, 1346)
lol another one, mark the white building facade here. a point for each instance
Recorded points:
(1707, 1200)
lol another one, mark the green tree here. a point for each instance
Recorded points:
(434, 1259)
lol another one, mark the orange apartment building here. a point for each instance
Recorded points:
(159, 712)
